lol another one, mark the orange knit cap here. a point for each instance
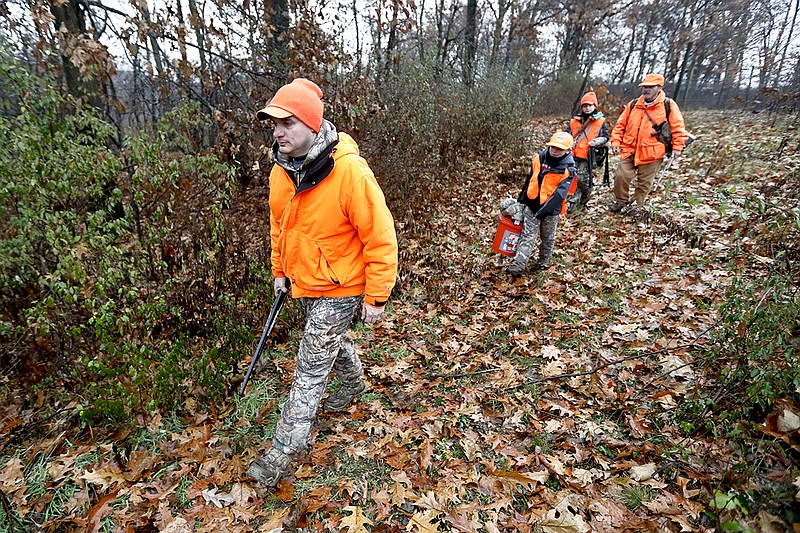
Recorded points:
(589, 98)
(302, 99)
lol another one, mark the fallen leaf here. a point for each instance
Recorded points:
(423, 522)
(643, 472)
(220, 499)
(179, 525)
(788, 421)
(355, 522)
(563, 519)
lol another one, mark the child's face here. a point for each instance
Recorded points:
(557, 152)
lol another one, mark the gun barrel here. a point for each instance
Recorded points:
(280, 298)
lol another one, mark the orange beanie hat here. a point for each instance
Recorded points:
(589, 98)
(302, 99)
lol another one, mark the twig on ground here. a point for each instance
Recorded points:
(463, 374)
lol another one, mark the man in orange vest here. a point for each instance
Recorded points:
(634, 138)
(589, 129)
(333, 241)
(544, 197)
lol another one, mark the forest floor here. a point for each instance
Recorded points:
(551, 402)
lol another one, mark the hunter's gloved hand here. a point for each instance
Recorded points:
(370, 314)
(598, 141)
(675, 154)
(281, 284)
(511, 208)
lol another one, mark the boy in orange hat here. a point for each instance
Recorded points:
(589, 129)
(634, 138)
(543, 199)
(333, 242)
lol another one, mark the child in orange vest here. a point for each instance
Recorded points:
(589, 130)
(542, 201)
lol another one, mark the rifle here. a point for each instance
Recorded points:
(277, 305)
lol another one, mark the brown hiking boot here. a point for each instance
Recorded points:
(340, 399)
(270, 468)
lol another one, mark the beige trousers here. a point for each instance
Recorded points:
(626, 172)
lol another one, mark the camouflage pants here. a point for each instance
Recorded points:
(325, 345)
(531, 226)
(584, 192)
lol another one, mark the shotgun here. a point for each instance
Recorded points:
(277, 305)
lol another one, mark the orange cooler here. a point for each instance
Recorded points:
(507, 237)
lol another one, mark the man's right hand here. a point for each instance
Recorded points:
(281, 285)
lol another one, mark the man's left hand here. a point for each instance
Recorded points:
(676, 154)
(371, 314)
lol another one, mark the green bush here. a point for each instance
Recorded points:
(753, 355)
(117, 269)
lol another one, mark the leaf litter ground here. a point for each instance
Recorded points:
(538, 403)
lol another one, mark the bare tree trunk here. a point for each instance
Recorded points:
(682, 73)
(643, 54)
(497, 34)
(197, 24)
(788, 38)
(444, 27)
(470, 30)
(623, 70)
(391, 43)
(277, 13)
(70, 17)
(358, 38)
(420, 33)
(155, 49)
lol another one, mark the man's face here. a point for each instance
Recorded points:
(588, 108)
(294, 138)
(556, 151)
(651, 92)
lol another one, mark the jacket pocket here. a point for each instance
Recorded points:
(313, 270)
(330, 263)
(651, 149)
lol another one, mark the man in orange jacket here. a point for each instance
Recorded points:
(634, 139)
(334, 245)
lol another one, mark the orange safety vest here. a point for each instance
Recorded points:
(583, 133)
(552, 182)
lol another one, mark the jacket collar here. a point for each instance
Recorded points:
(319, 161)
(660, 98)
(560, 167)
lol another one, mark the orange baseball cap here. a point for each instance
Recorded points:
(562, 140)
(301, 99)
(589, 98)
(651, 80)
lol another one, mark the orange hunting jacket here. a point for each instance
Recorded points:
(633, 132)
(333, 235)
